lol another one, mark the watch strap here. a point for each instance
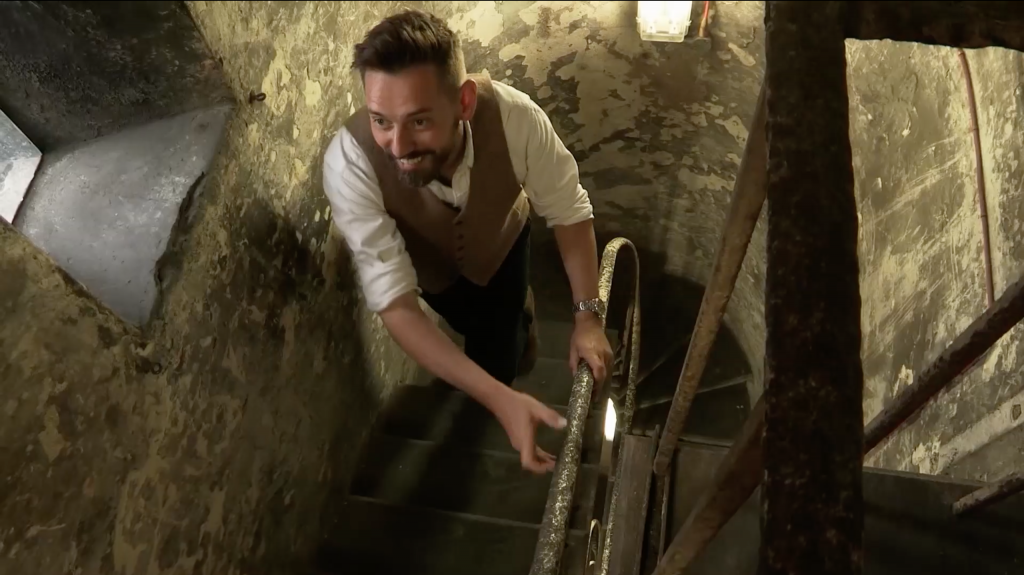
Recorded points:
(594, 305)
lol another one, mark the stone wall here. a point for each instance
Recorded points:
(211, 440)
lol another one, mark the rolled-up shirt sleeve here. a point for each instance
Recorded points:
(357, 208)
(552, 180)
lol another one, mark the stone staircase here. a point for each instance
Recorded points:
(439, 489)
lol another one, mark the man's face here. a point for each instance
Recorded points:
(415, 120)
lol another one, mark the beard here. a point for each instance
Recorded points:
(429, 166)
(427, 170)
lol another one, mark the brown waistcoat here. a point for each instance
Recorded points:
(442, 241)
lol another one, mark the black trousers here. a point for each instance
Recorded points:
(491, 318)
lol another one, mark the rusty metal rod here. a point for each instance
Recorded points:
(979, 179)
(747, 201)
(956, 24)
(981, 335)
(735, 480)
(990, 494)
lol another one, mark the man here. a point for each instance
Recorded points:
(431, 185)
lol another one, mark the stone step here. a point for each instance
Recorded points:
(485, 483)
(440, 414)
(550, 382)
(386, 539)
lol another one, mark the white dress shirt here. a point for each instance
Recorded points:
(545, 168)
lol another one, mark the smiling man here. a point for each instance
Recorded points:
(431, 185)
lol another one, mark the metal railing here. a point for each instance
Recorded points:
(553, 530)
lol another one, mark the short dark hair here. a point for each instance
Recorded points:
(408, 39)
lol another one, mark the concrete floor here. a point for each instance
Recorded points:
(105, 209)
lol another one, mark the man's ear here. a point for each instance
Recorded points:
(467, 100)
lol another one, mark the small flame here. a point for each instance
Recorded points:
(609, 421)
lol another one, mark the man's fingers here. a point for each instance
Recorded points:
(550, 417)
(574, 360)
(528, 451)
(546, 460)
(597, 365)
(531, 463)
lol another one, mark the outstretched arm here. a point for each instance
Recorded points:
(517, 412)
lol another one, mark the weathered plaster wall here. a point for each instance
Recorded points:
(210, 441)
(921, 247)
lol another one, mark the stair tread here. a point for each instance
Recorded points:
(550, 382)
(441, 414)
(387, 539)
(483, 483)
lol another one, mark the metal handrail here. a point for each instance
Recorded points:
(553, 529)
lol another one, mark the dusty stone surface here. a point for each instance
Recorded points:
(119, 65)
(211, 441)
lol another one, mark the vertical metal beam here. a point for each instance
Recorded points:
(747, 200)
(735, 480)
(812, 509)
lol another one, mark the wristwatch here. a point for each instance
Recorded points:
(593, 305)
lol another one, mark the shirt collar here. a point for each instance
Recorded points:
(467, 155)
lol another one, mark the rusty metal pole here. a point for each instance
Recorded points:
(736, 478)
(981, 335)
(812, 516)
(990, 494)
(747, 200)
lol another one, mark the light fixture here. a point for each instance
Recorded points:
(663, 21)
(609, 421)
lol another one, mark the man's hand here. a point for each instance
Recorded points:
(520, 414)
(589, 342)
